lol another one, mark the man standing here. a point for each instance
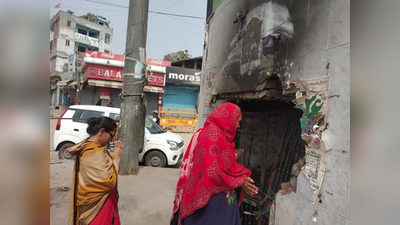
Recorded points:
(156, 119)
(110, 103)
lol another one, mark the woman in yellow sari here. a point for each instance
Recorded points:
(94, 192)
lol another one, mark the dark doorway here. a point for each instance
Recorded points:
(270, 134)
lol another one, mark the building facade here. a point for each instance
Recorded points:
(182, 87)
(287, 65)
(70, 37)
(180, 98)
(103, 76)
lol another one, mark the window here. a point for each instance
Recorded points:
(106, 51)
(81, 49)
(86, 114)
(69, 23)
(82, 31)
(152, 127)
(67, 42)
(114, 116)
(101, 23)
(76, 115)
(107, 39)
(93, 34)
(51, 45)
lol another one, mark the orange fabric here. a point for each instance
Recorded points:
(96, 177)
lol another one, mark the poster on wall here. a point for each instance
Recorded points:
(210, 74)
(313, 100)
(314, 104)
(315, 167)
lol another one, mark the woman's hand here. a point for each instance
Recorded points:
(249, 188)
(239, 153)
(117, 152)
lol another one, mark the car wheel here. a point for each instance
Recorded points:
(62, 154)
(155, 159)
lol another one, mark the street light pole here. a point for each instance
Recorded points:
(133, 107)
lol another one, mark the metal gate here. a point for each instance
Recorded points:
(272, 144)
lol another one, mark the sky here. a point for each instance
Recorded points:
(166, 34)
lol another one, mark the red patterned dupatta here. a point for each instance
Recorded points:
(209, 166)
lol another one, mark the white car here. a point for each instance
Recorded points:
(161, 148)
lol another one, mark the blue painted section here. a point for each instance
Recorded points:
(60, 98)
(180, 96)
(65, 99)
(100, 21)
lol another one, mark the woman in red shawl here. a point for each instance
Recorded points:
(210, 173)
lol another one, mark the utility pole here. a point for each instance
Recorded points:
(131, 128)
(78, 77)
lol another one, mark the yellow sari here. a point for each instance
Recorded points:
(94, 177)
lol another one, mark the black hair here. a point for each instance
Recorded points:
(95, 124)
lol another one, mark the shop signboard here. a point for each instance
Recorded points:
(104, 55)
(156, 79)
(105, 72)
(184, 76)
(86, 40)
(156, 62)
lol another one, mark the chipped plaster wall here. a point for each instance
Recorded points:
(319, 47)
(62, 50)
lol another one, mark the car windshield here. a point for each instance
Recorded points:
(152, 127)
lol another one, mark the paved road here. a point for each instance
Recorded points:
(144, 199)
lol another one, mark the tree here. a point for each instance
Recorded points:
(177, 56)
